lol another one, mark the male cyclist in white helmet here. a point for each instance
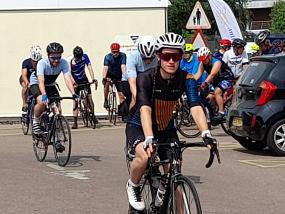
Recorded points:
(158, 90)
(28, 67)
(139, 61)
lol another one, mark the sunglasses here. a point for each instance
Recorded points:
(115, 52)
(148, 58)
(55, 57)
(174, 56)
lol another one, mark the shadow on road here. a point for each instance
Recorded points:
(264, 152)
(77, 160)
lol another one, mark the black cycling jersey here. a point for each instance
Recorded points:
(27, 64)
(224, 73)
(160, 94)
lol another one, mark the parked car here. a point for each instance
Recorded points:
(256, 118)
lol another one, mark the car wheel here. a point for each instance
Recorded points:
(276, 138)
(249, 144)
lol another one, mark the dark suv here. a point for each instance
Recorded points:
(256, 118)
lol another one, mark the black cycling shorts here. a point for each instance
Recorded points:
(79, 88)
(134, 135)
(50, 90)
(116, 80)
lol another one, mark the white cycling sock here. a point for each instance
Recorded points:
(36, 120)
(206, 132)
(132, 184)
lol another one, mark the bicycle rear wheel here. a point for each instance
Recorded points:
(62, 135)
(40, 147)
(226, 109)
(185, 123)
(25, 123)
(184, 198)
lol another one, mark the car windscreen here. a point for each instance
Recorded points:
(255, 71)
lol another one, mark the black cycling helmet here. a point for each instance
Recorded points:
(77, 52)
(261, 37)
(54, 47)
(238, 43)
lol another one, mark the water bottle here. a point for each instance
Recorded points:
(160, 191)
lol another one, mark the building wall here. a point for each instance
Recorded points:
(93, 29)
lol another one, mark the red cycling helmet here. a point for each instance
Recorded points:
(225, 43)
(115, 47)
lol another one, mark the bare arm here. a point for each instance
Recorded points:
(90, 69)
(105, 71)
(214, 71)
(24, 76)
(69, 83)
(146, 120)
(123, 68)
(133, 88)
(199, 72)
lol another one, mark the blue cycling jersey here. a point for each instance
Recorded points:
(50, 73)
(78, 68)
(114, 64)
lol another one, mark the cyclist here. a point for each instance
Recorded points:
(220, 77)
(263, 42)
(139, 61)
(77, 67)
(254, 50)
(225, 45)
(114, 66)
(42, 84)
(158, 90)
(28, 67)
(190, 62)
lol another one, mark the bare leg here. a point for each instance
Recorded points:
(199, 118)
(219, 99)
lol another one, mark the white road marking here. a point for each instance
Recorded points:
(265, 163)
(77, 174)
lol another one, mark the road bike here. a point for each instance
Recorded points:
(112, 103)
(180, 193)
(55, 130)
(27, 117)
(85, 107)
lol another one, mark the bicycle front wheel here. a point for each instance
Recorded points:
(25, 123)
(184, 197)
(62, 135)
(40, 147)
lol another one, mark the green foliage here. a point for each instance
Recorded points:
(278, 17)
(180, 10)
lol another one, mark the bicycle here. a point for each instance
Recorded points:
(112, 103)
(181, 195)
(84, 106)
(27, 118)
(56, 130)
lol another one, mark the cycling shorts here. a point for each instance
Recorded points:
(117, 81)
(225, 85)
(135, 135)
(79, 88)
(50, 90)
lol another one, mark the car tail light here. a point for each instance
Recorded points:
(267, 91)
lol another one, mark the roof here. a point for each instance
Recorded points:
(75, 4)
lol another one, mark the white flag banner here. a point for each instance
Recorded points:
(225, 19)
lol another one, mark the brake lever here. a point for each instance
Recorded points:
(213, 151)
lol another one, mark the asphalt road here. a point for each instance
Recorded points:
(94, 181)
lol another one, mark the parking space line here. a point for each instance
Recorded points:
(265, 163)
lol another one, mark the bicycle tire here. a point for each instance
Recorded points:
(82, 112)
(185, 124)
(110, 106)
(90, 114)
(62, 134)
(148, 194)
(190, 200)
(25, 123)
(114, 109)
(226, 109)
(40, 148)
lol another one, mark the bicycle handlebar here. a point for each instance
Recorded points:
(182, 144)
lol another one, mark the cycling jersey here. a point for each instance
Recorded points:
(161, 95)
(27, 64)
(135, 65)
(78, 68)
(218, 55)
(272, 50)
(224, 73)
(114, 64)
(50, 73)
(191, 67)
(235, 62)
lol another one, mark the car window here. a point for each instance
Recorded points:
(255, 72)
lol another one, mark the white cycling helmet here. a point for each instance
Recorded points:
(170, 40)
(146, 46)
(203, 53)
(36, 53)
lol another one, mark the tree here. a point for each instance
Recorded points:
(278, 17)
(180, 10)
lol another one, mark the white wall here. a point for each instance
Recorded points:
(93, 29)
